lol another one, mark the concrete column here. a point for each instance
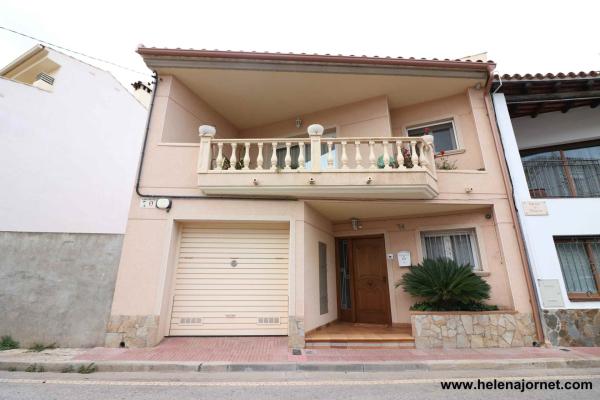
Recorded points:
(315, 131)
(207, 132)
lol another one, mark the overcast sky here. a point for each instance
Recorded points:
(521, 36)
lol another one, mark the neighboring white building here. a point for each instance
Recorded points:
(550, 128)
(70, 141)
(69, 149)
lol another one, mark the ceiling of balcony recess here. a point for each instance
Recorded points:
(343, 211)
(250, 98)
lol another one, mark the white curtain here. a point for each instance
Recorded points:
(576, 266)
(458, 246)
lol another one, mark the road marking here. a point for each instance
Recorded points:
(295, 383)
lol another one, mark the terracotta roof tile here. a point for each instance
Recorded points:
(145, 50)
(549, 76)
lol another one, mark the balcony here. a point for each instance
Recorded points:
(317, 166)
(568, 177)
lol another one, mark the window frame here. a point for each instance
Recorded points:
(446, 233)
(561, 148)
(458, 144)
(323, 279)
(594, 265)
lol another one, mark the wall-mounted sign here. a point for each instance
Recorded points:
(550, 293)
(535, 208)
(148, 203)
(404, 258)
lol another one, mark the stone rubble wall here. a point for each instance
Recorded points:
(572, 327)
(133, 330)
(472, 330)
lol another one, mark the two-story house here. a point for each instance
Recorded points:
(279, 193)
(70, 140)
(550, 127)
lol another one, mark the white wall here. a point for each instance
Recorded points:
(548, 129)
(572, 216)
(68, 157)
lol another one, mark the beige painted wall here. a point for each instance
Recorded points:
(170, 169)
(500, 261)
(368, 117)
(148, 260)
(456, 108)
(317, 229)
(185, 112)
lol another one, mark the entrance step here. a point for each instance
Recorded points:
(360, 336)
(404, 343)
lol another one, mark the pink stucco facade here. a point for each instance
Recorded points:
(474, 196)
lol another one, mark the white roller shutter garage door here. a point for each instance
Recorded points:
(231, 280)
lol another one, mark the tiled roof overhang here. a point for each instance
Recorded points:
(166, 57)
(531, 95)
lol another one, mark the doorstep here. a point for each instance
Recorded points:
(360, 336)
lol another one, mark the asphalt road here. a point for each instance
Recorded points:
(291, 386)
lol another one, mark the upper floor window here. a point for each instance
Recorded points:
(457, 245)
(563, 171)
(444, 136)
(579, 258)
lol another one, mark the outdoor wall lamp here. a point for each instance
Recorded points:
(164, 204)
(298, 122)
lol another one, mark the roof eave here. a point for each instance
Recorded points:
(160, 58)
(22, 58)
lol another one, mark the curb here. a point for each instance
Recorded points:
(387, 366)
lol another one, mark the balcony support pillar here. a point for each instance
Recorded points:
(427, 154)
(315, 131)
(207, 133)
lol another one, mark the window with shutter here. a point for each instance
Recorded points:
(323, 298)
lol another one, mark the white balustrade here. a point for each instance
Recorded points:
(290, 155)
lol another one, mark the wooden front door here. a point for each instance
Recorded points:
(368, 282)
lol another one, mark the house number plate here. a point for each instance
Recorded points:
(148, 203)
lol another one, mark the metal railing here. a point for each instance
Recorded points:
(563, 178)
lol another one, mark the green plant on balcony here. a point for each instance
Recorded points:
(227, 163)
(444, 285)
(393, 161)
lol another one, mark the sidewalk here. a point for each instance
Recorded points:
(272, 354)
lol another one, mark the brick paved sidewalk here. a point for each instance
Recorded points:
(274, 349)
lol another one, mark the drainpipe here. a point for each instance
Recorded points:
(525, 258)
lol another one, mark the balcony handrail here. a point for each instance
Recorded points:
(246, 154)
(260, 140)
(336, 140)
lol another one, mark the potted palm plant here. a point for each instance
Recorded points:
(444, 285)
(451, 310)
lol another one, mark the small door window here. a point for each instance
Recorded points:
(323, 298)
